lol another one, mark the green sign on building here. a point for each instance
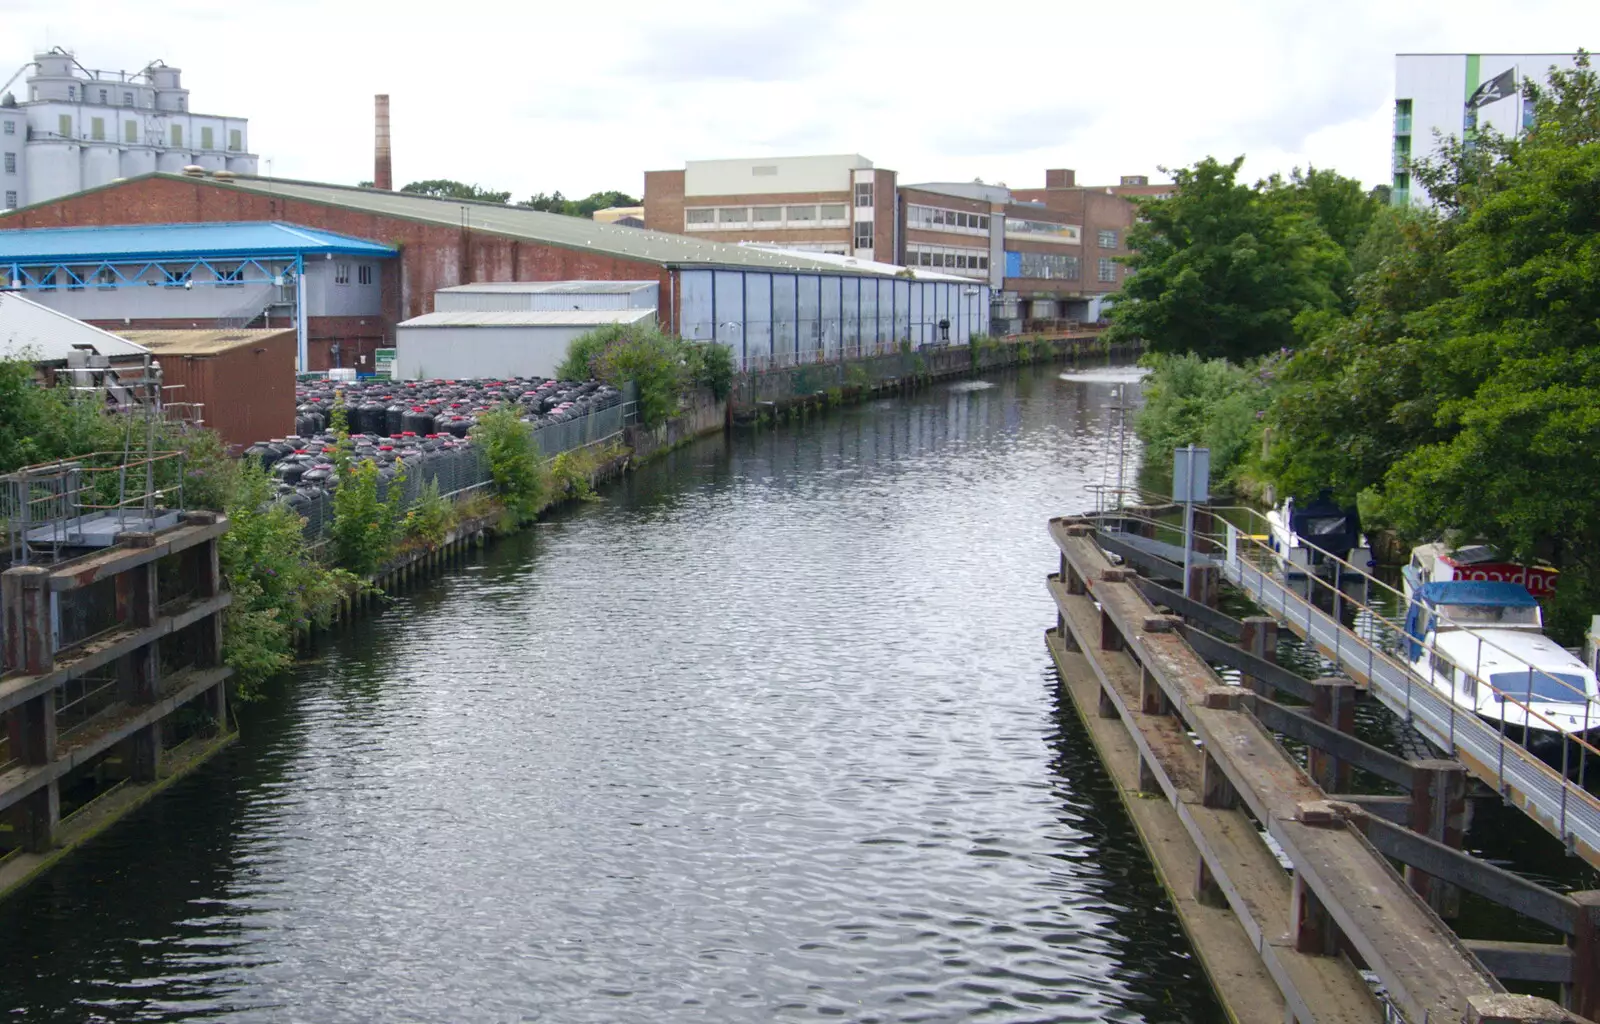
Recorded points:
(383, 362)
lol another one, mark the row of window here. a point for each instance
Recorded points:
(1108, 238)
(808, 215)
(863, 234)
(1044, 230)
(952, 259)
(130, 133)
(937, 218)
(864, 194)
(11, 200)
(11, 163)
(105, 97)
(1042, 266)
(341, 273)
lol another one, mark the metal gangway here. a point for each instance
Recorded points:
(1370, 654)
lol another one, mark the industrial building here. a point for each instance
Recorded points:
(228, 275)
(439, 243)
(1437, 95)
(1047, 254)
(493, 296)
(78, 128)
(33, 331)
(506, 343)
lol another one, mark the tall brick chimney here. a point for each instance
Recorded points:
(382, 173)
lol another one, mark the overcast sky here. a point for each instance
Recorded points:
(538, 96)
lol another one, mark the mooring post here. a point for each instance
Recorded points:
(1152, 698)
(1333, 703)
(1582, 996)
(1258, 635)
(1438, 811)
(1204, 584)
(1110, 636)
(1207, 892)
(1314, 931)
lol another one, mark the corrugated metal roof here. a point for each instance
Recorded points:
(191, 342)
(29, 329)
(561, 287)
(531, 318)
(578, 233)
(176, 241)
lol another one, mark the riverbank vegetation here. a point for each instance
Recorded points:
(1440, 366)
(660, 365)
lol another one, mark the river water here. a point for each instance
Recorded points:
(768, 733)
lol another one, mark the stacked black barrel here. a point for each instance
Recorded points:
(425, 426)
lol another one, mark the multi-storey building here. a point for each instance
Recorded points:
(1443, 95)
(1048, 253)
(826, 204)
(79, 128)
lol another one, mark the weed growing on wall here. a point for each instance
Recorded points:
(367, 524)
(520, 479)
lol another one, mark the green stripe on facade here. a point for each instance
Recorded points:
(1472, 77)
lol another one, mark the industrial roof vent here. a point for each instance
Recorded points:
(223, 175)
(195, 171)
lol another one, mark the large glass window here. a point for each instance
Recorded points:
(700, 216)
(833, 211)
(733, 214)
(863, 234)
(1108, 239)
(1108, 269)
(802, 213)
(1047, 266)
(864, 193)
(768, 214)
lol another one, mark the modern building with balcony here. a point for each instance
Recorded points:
(79, 128)
(1432, 94)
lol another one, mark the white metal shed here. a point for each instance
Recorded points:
(487, 296)
(518, 343)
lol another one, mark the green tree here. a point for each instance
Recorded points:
(445, 188)
(1220, 272)
(367, 521)
(520, 476)
(555, 202)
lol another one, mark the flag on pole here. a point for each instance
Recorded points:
(1497, 88)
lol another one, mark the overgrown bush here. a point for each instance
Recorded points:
(276, 585)
(430, 516)
(711, 366)
(572, 473)
(661, 366)
(366, 524)
(520, 478)
(1208, 402)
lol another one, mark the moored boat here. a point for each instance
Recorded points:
(1305, 534)
(1482, 645)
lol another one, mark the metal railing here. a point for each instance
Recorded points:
(46, 506)
(1250, 564)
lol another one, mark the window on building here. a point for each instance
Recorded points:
(983, 223)
(97, 129)
(72, 92)
(11, 127)
(950, 259)
(1402, 115)
(1047, 266)
(832, 211)
(733, 215)
(699, 216)
(130, 131)
(1108, 238)
(1108, 269)
(235, 140)
(11, 163)
(863, 234)
(105, 277)
(103, 96)
(364, 274)
(768, 214)
(206, 138)
(182, 102)
(64, 126)
(229, 275)
(801, 213)
(74, 282)
(175, 277)
(961, 261)
(11, 200)
(127, 99)
(983, 263)
(864, 194)
(177, 135)
(341, 273)
(47, 282)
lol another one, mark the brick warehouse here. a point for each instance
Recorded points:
(444, 242)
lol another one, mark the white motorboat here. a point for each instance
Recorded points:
(1304, 535)
(1440, 563)
(1482, 645)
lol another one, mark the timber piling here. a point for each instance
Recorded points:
(1284, 930)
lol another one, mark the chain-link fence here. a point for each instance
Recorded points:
(463, 471)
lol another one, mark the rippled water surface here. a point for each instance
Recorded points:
(767, 733)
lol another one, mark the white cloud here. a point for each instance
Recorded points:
(543, 96)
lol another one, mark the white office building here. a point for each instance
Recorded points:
(1431, 93)
(77, 128)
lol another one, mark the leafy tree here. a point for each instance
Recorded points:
(367, 523)
(520, 477)
(1221, 272)
(445, 188)
(555, 202)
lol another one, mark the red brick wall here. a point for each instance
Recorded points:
(432, 256)
(663, 201)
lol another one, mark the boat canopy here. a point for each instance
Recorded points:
(1478, 592)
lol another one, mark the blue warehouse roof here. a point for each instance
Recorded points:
(179, 241)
